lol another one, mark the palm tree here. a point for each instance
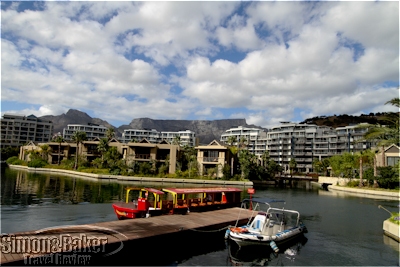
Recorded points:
(243, 142)
(58, 139)
(110, 134)
(78, 137)
(265, 158)
(365, 156)
(292, 165)
(45, 151)
(386, 134)
(231, 140)
(102, 147)
(177, 140)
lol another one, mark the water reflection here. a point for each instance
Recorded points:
(26, 188)
(263, 255)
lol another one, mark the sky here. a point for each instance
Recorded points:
(263, 61)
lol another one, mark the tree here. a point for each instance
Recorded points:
(231, 140)
(190, 156)
(113, 160)
(58, 139)
(292, 165)
(248, 163)
(273, 169)
(243, 142)
(321, 166)
(8, 152)
(110, 134)
(46, 149)
(361, 157)
(343, 165)
(386, 133)
(265, 158)
(78, 137)
(176, 140)
(102, 147)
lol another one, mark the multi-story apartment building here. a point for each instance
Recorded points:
(92, 131)
(17, 130)
(153, 136)
(130, 135)
(186, 137)
(255, 138)
(349, 137)
(302, 142)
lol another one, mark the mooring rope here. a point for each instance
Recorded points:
(208, 231)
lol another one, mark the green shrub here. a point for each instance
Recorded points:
(163, 169)
(115, 170)
(14, 161)
(395, 218)
(68, 164)
(353, 183)
(37, 163)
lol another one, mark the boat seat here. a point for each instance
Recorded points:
(258, 223)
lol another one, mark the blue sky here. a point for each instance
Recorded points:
(263, 61)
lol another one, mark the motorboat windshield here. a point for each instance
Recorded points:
(262, 204)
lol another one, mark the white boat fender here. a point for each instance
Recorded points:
(227, 233)
(274, 246)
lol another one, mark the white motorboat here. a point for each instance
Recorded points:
(271, 227)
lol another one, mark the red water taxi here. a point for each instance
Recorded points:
(145, 205)
(176, 201)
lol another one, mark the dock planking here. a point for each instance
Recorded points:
(113, 234)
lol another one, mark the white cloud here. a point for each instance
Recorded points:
(207, 60)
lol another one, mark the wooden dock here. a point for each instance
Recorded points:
(99, 243)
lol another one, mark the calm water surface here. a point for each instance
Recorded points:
(342, 230)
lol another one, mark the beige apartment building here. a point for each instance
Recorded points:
(213, 156)
(144, 151)
(390, 157)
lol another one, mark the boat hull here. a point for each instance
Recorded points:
(251, 239)
(123, 211)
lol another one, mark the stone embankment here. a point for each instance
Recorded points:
(392, 230)
(338, 185)
(130, 178)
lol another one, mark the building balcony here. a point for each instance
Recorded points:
(142, 156)
(55, 153)
(210, 159)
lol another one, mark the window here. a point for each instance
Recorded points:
(391, 161)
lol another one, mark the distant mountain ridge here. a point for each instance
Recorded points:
(206, 130)
(73, 116)
(345, 120)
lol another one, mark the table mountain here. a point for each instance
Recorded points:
(73, 116)
(206, 130)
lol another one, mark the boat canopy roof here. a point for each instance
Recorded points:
(202, 190)
(151, 190)
(155, 191)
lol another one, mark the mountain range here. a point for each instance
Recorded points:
(206, 130)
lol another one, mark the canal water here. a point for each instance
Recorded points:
(342, 230)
